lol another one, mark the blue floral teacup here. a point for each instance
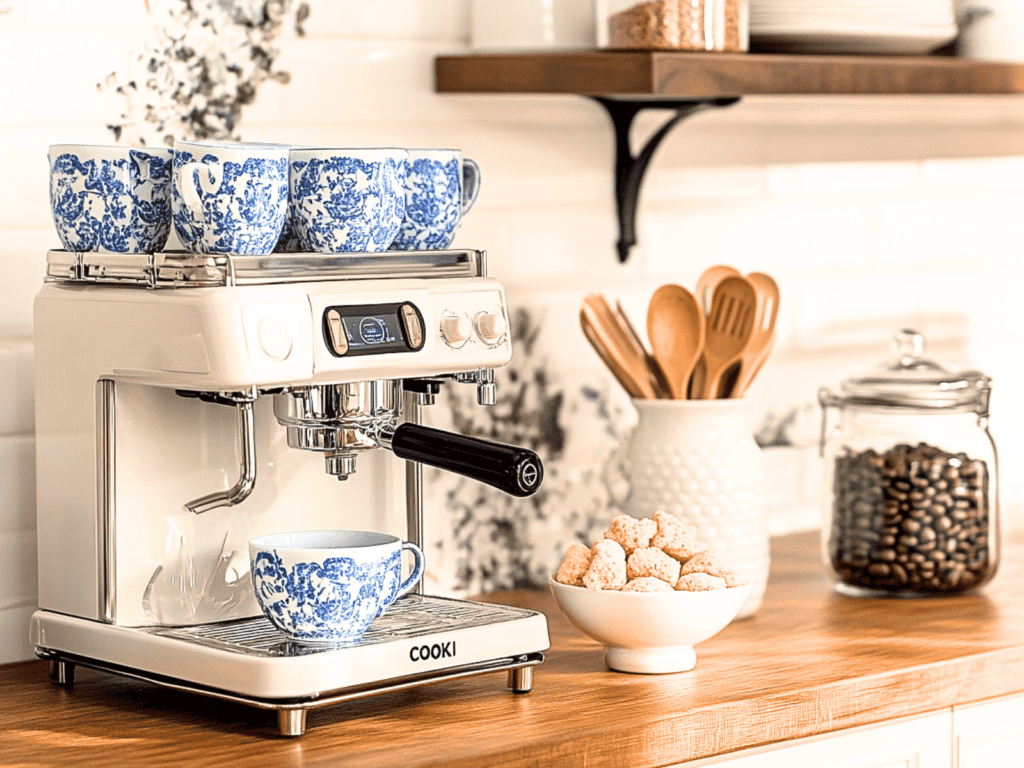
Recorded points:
(347, 200)
(229, 197)
(440, 188)
(111, 198)
(328, 586)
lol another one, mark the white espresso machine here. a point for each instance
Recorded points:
(181, 404)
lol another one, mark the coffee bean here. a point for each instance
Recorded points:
(914, 517)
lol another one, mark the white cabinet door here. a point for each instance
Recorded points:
(989, 734)
(914, 742)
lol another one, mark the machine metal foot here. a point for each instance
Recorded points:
(520, 680)
(62, 673)
(291, 722)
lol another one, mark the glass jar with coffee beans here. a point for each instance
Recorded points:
(911, 506)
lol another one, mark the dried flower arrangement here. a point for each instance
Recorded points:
(205, 64)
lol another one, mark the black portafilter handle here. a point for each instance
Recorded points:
(516, 471)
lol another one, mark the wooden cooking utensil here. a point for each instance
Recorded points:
(763, 335)
(658, 379)
(729, 325)
(618, 337)
(607, 358)
(675, 326)
(704, 290)
(625, 365)
(707, 282)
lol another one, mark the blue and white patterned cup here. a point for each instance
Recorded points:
(328, 586)
(229, 197)
(347, 200)
(440, 188)
(111, 198)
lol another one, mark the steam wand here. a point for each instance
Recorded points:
(247, 443)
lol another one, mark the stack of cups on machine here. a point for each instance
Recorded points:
(254, 199)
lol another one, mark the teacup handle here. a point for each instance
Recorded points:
(470, 183)
(192, 179)
(417, 569)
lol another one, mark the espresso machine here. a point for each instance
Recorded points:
(186, 403)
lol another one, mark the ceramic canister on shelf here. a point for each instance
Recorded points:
(697, 459)
(509, 25)
(990, 30)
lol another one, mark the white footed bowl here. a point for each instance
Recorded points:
(649, 632)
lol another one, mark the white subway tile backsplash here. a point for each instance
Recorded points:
(18, 579)
(982, 175)
(17, 484)
(853, 308)
(724, 184)
(444, 20)
(66, 67)
(23, 253)
(561, 246)
(841, 179)
(981, 229)
(17, 411)
(783, 235)
(127, 16)
(886, 141)
(14, 624)
(359, 81)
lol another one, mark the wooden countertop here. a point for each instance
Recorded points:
(810, 661)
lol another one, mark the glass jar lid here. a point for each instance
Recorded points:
(908, 380)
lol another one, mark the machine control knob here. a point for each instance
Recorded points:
(413, 325)
(275, 340)
(336, 330)
(491, 326)
(455, 330)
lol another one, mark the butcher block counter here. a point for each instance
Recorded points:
(808, 662)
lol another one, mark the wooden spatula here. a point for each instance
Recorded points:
(729, 325)
(618, 355)
(763, 335)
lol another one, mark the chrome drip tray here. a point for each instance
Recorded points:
(180, 269)
(408, 618)
(421, 639)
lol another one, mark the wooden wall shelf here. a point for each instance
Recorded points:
(722, 75)
(626, 82)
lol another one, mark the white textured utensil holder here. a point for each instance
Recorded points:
(697, 459)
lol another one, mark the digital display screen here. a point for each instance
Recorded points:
(377, 331)
(371, 329)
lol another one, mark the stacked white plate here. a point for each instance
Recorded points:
(852, 26)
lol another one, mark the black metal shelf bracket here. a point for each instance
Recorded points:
(630, 168)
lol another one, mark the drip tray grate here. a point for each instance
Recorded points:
(409, 617)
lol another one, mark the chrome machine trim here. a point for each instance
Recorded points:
(179, 269)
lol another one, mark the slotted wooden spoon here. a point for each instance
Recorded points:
(729, 325)
(708, 281)
(675, 327)
(704, 290)
(763, 335)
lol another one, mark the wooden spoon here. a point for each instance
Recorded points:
(675, 327)
(760, 344)
(729, 325)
